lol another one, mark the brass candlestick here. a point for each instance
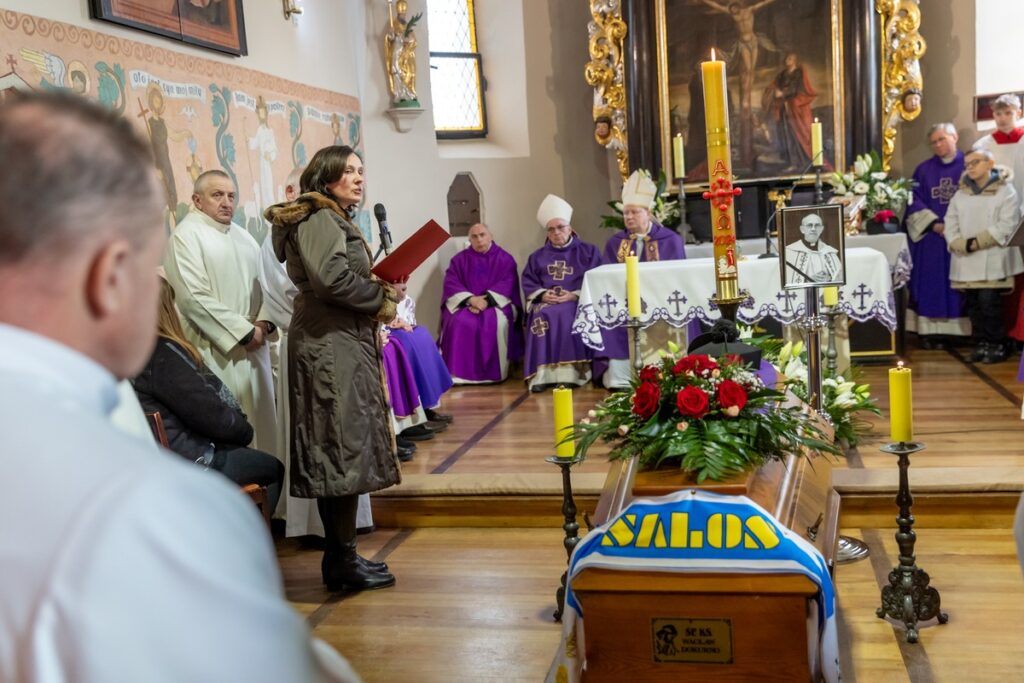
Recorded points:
(908, 597)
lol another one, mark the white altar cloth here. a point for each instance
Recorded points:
(679, 291)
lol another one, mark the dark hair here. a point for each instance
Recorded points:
(72, 170)
(326, 167)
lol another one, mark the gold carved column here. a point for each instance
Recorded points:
(605, 73)
(902, 85)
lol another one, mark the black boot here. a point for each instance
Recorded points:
(331, 560)
(345, 572)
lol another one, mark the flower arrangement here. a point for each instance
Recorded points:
(665, 211)
(883, 197)
(841, 398)
(712, 417)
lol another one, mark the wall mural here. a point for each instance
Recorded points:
(198, 114)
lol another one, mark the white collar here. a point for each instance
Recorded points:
(50, 364)
(193, 211)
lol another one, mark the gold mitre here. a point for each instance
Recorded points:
(553, 207)
(639, 190)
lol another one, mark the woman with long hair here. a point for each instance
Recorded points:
(342, 441)
(202, 419)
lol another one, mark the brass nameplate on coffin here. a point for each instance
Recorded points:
(693, 641)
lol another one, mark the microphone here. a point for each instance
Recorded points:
(381, 215)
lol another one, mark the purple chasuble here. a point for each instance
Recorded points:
(935, 183)
(469, 341)
(400, 380)
(432, 376)
(549, 337)
(659, 244)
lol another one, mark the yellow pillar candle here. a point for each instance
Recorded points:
(721, 192)
(633, 285)
(816, 143)
(901, 412)
(678, 160)
(831, 296)
(563, 422)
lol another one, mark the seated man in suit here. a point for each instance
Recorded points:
(480, 334)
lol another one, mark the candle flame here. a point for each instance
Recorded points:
(816, 119)
(899, 365)
(712, 54)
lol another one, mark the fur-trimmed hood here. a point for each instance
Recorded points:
(1003, 176)
(286, 216)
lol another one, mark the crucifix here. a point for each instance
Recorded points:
(142, 111)
(786, 297)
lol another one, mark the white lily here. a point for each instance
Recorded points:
(860, 187)
(879, 175)
(861, 166)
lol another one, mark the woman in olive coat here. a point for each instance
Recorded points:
(342, 441)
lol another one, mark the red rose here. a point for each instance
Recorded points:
(649, 374)
(696, 364)
(731, 394)
(692, 402)
(645, 400)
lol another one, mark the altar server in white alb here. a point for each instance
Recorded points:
(982, 217)
(213, 264)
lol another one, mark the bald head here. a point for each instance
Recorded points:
(72, 172)
(81, 228)
(480, 238)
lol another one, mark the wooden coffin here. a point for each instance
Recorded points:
(660, 626)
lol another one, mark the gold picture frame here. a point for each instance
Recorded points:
(834, 127)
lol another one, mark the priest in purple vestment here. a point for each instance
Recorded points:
(939, 307)
(480, 331)
(551, 281)
(652, 242)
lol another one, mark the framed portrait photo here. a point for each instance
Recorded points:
(811, 246)
(214, 24)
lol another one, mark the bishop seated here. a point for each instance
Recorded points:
(552, 280)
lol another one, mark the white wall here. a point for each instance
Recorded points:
(534, 53)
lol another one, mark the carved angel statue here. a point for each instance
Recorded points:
(400, 53)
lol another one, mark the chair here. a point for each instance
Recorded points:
(257, 494)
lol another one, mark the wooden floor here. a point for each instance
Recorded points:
(474, 604)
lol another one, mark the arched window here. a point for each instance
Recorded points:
(456, 76)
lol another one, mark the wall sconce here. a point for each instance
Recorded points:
(291, 7)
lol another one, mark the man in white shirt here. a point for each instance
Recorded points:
(118, 563)
(213, 265)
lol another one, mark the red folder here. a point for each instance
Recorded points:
(411, 253)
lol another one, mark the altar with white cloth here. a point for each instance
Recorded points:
(895, 246)
(675, 292)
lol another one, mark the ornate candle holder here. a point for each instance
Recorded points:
(811, 323)
(638, 360)
(819, 192)
(831, 353)
(908, 597)
(571, 527)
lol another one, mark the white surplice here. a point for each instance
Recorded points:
(213, 269)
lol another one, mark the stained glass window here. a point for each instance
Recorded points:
(456, 77)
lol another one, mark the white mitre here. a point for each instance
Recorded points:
(639, 190)
(553, 207)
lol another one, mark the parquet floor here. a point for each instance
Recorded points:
(474, 604)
